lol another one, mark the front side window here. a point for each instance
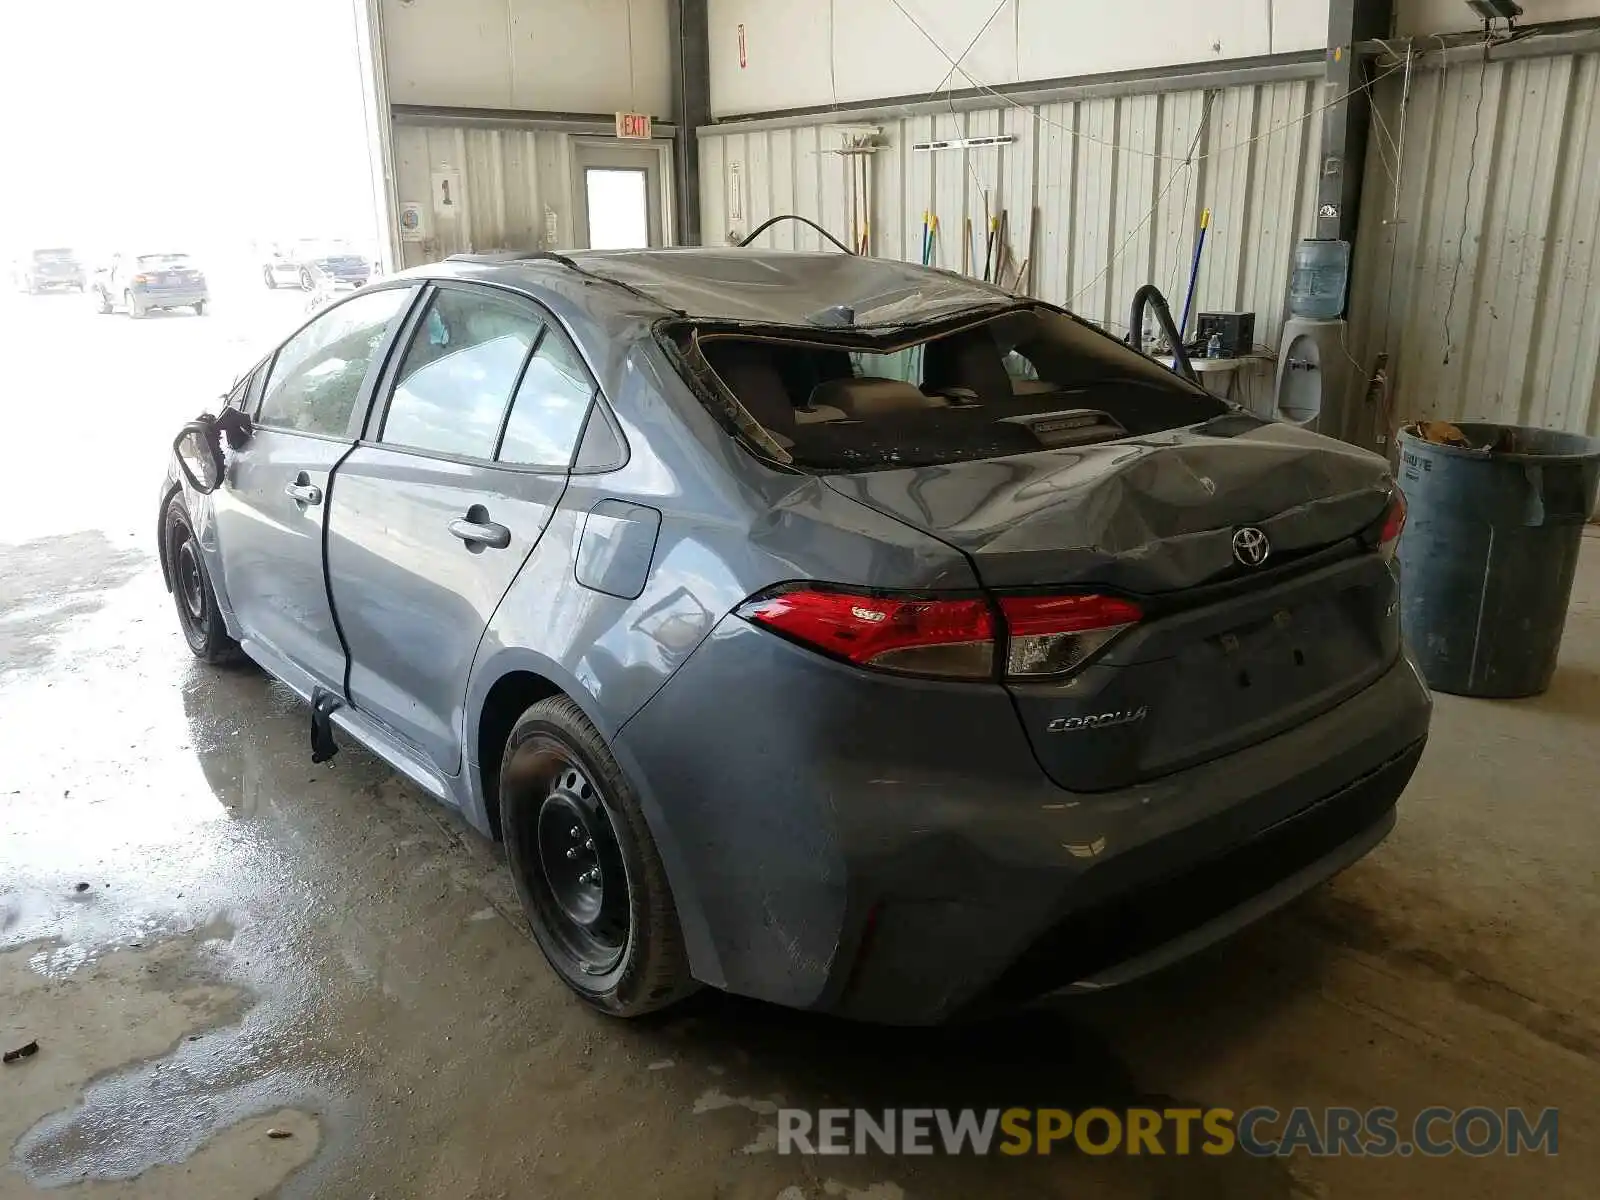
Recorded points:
(547, 416)
(317, 376)
(459, 372)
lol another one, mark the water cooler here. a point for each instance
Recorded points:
(1313, 375)
(1313, 368)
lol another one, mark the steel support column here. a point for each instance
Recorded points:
(1345, 125)
(689, 38)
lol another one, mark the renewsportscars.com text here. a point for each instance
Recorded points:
(1261, 1131)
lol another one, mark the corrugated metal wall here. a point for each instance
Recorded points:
(508, 178)
(1484, 289)
(1097, 191)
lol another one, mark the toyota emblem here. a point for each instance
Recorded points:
(1250, 546)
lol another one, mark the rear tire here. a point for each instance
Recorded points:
(135, 309)
(199, 617)
(200, 308)
(567, 810)
(306, 282)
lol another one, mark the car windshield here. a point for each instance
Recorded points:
(54, 256)
(1030, 379)
(165, 260)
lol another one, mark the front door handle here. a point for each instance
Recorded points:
(304, 493)
(481, 533)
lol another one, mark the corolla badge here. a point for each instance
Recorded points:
(1250, 546)
(1125, 716)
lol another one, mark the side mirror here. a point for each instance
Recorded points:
(199, 455)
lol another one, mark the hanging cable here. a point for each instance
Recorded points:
(955, 64)
(1466, 201)
(1084, 137)
(1186, 165)
(833, 54)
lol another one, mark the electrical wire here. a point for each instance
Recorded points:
(1186, 165)
(955, 65)
(1466, 200)
(833, 55)
(1043, 120)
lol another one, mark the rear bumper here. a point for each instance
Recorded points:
(889, 849)
(171, 298)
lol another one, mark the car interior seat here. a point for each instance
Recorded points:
(966, 366)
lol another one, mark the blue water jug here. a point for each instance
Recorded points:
(1317, 284)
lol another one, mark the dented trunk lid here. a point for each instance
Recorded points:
(1227, 654)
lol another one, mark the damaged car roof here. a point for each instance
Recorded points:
(788, 287)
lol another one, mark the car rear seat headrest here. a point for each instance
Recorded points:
(751, 375)
(872, 397)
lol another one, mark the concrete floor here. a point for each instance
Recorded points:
(264, 944)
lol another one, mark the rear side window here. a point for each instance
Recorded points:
(317, 375)
(459, 372)
(551, 404)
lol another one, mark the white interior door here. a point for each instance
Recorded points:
(619, 196)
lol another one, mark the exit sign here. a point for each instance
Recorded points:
(633, 125)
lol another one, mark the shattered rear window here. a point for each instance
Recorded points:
(1029, 379)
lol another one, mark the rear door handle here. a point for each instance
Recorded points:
(481, 533)
(304, 493)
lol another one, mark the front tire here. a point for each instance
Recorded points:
(306, 282)
(199, 617)
(585, 866)
(269, 278)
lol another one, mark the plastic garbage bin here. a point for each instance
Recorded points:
(1488, 553)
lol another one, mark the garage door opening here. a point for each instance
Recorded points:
(618, 201)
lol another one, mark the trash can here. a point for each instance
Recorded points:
(1489, 550)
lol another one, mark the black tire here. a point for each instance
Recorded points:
(306, 282)
(199, 308)
(198, 615)
(270, 278)
(619, 950)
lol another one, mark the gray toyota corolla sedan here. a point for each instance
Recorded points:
(834, 631)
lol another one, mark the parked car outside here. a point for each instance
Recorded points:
(297, 264)
(327, 287)
(834, 631)
(142, 283)
(58, 269)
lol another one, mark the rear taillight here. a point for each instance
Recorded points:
(906, 634)
(1054, 635)
(1394, 522)
(1036, 638)
(141, 279)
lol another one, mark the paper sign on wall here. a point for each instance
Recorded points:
(744, 59)
(447, 197)
(411, 226)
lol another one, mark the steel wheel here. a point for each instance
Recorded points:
(585, 865)
(199, 618)
(189, 584)
(582, 889)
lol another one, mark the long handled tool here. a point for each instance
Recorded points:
(1194, 272)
